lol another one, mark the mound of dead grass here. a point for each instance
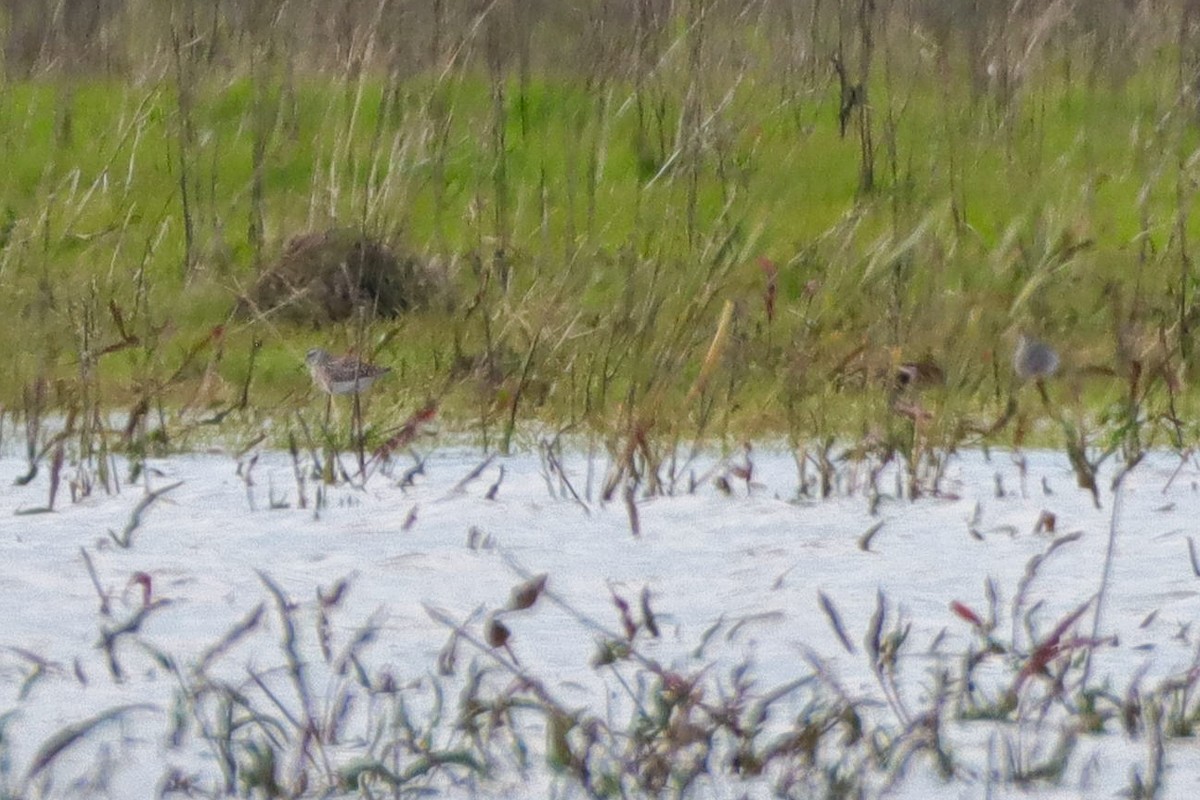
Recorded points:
(329, 276)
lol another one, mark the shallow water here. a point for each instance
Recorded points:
(748, 577)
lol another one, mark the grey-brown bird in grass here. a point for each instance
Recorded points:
(919, 374)
(910, 379)
(342, 375)
(1034, 359)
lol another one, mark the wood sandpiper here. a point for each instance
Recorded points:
(1034, 359)
(342, 375)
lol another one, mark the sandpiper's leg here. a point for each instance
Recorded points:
(1041, 387)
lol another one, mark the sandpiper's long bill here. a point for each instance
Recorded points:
(342, 375)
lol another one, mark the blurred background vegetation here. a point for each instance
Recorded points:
(580, 186)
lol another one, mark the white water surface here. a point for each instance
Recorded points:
(732, 579)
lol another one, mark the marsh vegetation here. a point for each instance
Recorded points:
(632, 240)
(578, 189)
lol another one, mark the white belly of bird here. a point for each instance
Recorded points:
(359, 384)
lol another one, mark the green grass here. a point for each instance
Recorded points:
(622, 244)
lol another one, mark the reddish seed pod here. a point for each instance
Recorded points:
(527, 593)
(143, 580)
(966, 613)
(497, 633)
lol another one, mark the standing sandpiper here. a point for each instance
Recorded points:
(344, 375)
(1034, 359)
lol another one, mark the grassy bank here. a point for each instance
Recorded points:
(592, 217)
